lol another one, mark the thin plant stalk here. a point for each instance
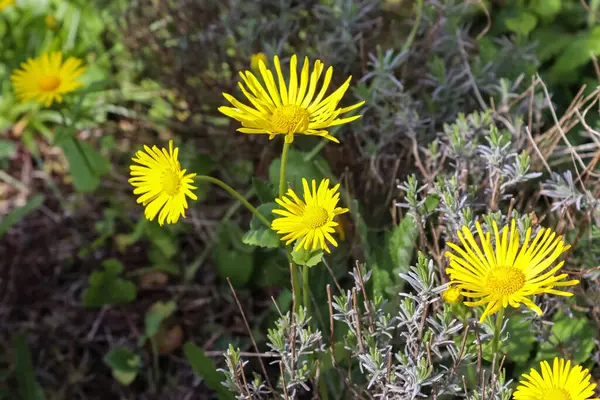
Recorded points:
(237, 195)
(282, 186)
(497, 332)
(305, 288)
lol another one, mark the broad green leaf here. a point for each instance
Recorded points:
(382, 281)
(310, 258)
(86, 165)
(266, 211)
(576, 54)
(19, 213)
(205, 368)
(162, 239)
(402, 244)
(265, 191)
(124, 364)
(546, 9)
(551, 42)
(7, 148)
(572, 336)
(262, 237)
(522, 23)
(107, 288)
(29, 389)
(234, 258)
(520, 341)
(296, 169)
(157, 314)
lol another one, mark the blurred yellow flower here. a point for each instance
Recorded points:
(47, 78)
(310, 219)
(162, 184)
(561, 382)
(5, 4)
(292, 109)
(452, 295)
(51, 22)
(256, 59)
(511, 273)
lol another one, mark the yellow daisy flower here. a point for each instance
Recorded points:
(452, 295)
(47, 78)
(162, 184)
(512, 273)
(310, 219)
(256, 59)
(561, 382)
(292, 109)
(5, 4)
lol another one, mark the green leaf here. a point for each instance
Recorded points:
(572, 336)
(7, 148)
(575, 55)
(262, 237)
(162, 239)
(402, 244)
(206, 369)
(234, 260)
(522, 23)
(310, 258)
(124, 363)
(107, 288)
(19, 213)
(157, 314)
(264, 190)
(520, 341)
(546, 9)
(551, 42)
(86, 165)
(29, 389)
(382, 281)
(267, 211)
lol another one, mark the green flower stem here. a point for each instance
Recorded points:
(237, 195)
(282, 186)
(305, 287)
(282, 181)
(497, 331)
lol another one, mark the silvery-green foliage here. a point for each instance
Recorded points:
(567, 192)
(342, 24)
(454, 205)
(408, 355)
(294, 346)
(293, 341)
(389, 112)
(244, 389)
(497, 389)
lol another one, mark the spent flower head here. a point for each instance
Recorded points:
(296, 108)
(256, 59)
(47, 78)
(508, 272)
(452, 295)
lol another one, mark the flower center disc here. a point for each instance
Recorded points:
(170, 182)
(315, 217)
(555, 394)
(49, 83)
(505, 280)
(290, 119)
